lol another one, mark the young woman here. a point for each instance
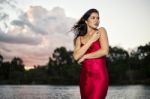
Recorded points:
(91, 48)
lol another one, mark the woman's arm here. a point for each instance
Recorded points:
(104, 47)
(80, 51)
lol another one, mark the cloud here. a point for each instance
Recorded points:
(19, 39)
(35, 34)
(11, 3)
(3, 16)
(42, 21)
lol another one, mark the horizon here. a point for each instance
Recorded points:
(44, 64)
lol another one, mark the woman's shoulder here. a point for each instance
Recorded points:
(78, 39)
(101, 29)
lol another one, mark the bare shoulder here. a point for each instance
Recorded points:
(103, 33)
(102, 30)
(78, 40)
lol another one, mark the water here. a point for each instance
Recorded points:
(69, 92)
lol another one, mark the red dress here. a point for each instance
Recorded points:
(94, 76)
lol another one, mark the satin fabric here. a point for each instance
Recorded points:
(94, 76)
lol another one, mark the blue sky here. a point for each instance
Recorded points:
(43, 25)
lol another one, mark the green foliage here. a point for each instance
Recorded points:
(12, 72)
(123, 68)
(117, 65)
(63, 68)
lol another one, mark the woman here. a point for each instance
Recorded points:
(91, 48)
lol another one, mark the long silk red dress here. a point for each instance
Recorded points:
(94, 76)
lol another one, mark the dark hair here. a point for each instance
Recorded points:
(80, 28)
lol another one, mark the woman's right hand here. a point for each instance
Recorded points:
(95, 36)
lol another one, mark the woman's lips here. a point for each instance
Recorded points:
(96, 24)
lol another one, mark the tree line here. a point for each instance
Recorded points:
(62, 69)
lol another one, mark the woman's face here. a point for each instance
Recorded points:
(93, 20)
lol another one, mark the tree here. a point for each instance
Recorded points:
(117, 64)
(5, 70)
(17, 64)
(62, 56)
(1, 62)
(62, 67)
(143, 53)
(1, 59)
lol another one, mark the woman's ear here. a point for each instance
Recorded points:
(86, 21)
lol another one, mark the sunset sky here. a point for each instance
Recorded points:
(32, 29)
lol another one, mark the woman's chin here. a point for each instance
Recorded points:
(95, 28)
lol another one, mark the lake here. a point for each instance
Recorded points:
(69, 92)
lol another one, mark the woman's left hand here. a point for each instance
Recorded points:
(82, 59)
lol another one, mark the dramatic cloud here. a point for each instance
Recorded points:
(3, 16)
(10, 3)
(42, 21)
(35, 34)
(19, 39)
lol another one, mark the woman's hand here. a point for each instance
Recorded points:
(95, 36)
(82, 59)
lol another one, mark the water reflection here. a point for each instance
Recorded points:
(70, 92)
(129, 92)
(39, 92)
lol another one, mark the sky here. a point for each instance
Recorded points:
(32, 29)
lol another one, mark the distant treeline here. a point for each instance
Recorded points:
(62, 69)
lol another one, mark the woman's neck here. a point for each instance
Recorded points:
(90, 31)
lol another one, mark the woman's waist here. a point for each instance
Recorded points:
(94, 60)
(94, 65)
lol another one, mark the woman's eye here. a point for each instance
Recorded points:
(93, 17)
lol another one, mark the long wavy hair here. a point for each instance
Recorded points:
(80, 28)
